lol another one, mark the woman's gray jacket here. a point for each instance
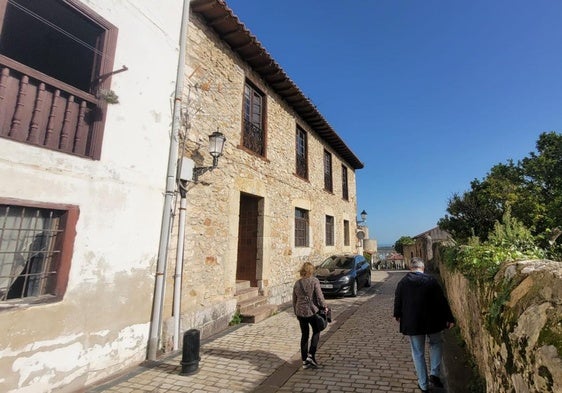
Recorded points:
(312, 289)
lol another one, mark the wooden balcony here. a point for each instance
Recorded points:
(40, 110)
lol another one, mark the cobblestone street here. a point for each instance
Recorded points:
(360, 351)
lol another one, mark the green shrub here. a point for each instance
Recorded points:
(236, 319)
(509, 241)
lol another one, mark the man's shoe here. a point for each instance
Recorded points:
(310, 360)
(305, 365)
(435, 381)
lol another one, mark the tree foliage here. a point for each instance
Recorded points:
(530, 188)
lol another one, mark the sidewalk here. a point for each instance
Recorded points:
(361, 351)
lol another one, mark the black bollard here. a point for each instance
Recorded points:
(190, 352)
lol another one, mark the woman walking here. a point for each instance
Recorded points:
(307, 299)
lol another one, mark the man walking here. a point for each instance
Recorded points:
(422, 310)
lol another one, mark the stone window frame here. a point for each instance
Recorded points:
(36, 244)
(53, 111)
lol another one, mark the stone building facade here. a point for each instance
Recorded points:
(261, 212)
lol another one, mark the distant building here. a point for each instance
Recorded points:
(423, 244)
(384, 251)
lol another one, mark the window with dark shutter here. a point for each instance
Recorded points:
(302, 154)
(329, 230)
(301, 227)
(346, 233)
(344, 187)
(328, 184)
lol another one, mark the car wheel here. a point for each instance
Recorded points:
(368, 283)
(354, 288)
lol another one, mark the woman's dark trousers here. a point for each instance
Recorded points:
(305, 324)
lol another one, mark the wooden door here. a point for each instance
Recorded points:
(247, 239)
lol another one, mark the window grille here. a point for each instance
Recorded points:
(29, 251)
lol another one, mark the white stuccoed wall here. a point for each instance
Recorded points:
(102, 324)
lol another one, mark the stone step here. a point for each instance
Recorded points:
(246, 293)
(258, 314)
(242, 284)
(252, 306)
(251, 303)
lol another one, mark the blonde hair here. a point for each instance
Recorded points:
(306, 270)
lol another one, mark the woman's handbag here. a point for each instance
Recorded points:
(320, 317)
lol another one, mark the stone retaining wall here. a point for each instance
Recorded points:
(512, 325)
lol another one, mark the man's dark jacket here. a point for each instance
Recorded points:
(420, 304)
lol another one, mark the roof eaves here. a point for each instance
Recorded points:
(232, 31)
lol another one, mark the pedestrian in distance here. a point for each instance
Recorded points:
(422, 310)
(307, 300)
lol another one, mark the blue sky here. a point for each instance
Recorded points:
(428, 94)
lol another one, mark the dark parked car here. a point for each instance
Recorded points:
(343, 274)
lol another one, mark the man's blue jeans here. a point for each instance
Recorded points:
(418, 355)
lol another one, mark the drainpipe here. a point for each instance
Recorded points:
(156, 320)
(179, 266)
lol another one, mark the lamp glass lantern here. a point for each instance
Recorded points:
(216, 146)
(363, 216)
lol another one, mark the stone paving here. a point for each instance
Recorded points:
(360, 351)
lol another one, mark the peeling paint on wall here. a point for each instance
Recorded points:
(58, 363)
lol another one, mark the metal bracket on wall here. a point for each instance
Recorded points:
(103, 77)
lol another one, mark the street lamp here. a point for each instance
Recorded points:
(216, 145)
(363, 218)
(361, 228)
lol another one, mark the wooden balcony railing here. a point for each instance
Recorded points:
(40, 110)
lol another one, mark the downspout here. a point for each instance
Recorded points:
(156, 320)
(179, 266)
